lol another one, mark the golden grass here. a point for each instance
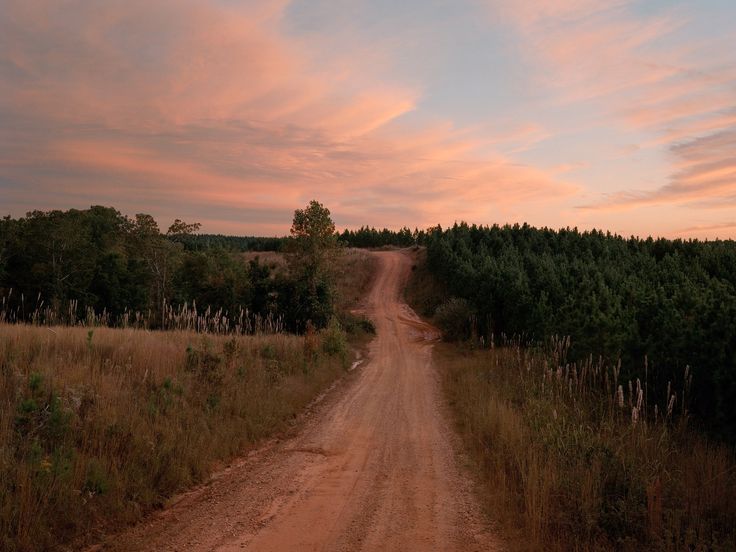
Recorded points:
(566, 467)
(97, 427)
(275, 260)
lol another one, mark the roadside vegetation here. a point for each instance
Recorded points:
(672, 302)
(618, 436)
(574, 457)
(424, 292)
(98, 426)
(578, 454)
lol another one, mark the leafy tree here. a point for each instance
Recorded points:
(314, 239)
(312, 248)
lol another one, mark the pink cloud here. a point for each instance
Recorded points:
(705, 172)
(586, 49)
(624, 66)
(211, 109)
(709, 228)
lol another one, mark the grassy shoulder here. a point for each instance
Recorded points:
(571, 461)
(98, 427)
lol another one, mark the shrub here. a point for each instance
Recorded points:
(455, 319)
(353, 324)
(334, 340)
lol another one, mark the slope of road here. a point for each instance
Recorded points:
(373, 469)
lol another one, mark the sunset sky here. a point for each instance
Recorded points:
(234, 113)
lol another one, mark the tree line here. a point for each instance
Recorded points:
(370, 237)
(66, 264)
(364, 237)
(203, 242)
(663, 307)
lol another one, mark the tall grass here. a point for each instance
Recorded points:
(574, 459)
(99, 425)
(186, 317)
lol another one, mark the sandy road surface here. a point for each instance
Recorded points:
(373, 469)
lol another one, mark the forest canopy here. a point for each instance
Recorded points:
(63, 266)
(658, 305)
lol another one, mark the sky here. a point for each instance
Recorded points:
(618, 115)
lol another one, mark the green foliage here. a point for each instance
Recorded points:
(41, 419)
(309, 293)
(455, 318)
(352, 324)
(312, 230)
(64, 267)
(240, 244)
(370, 237)
(205, 363)
(334, 340)
(97, 481)
(672, 301)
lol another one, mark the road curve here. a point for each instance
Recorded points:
(373, 469)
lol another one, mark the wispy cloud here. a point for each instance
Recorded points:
(706, 173)
(631, 68)
(210, 108)
(708, 228)
(222, 112)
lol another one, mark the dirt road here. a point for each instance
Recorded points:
(373, 469)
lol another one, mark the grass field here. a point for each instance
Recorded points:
(98, 427)
(571, 459)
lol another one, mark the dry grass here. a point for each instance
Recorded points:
(572, 461)
(275, 260)
(187, 317)
(97, 427)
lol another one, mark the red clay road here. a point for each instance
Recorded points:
(374, 467)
